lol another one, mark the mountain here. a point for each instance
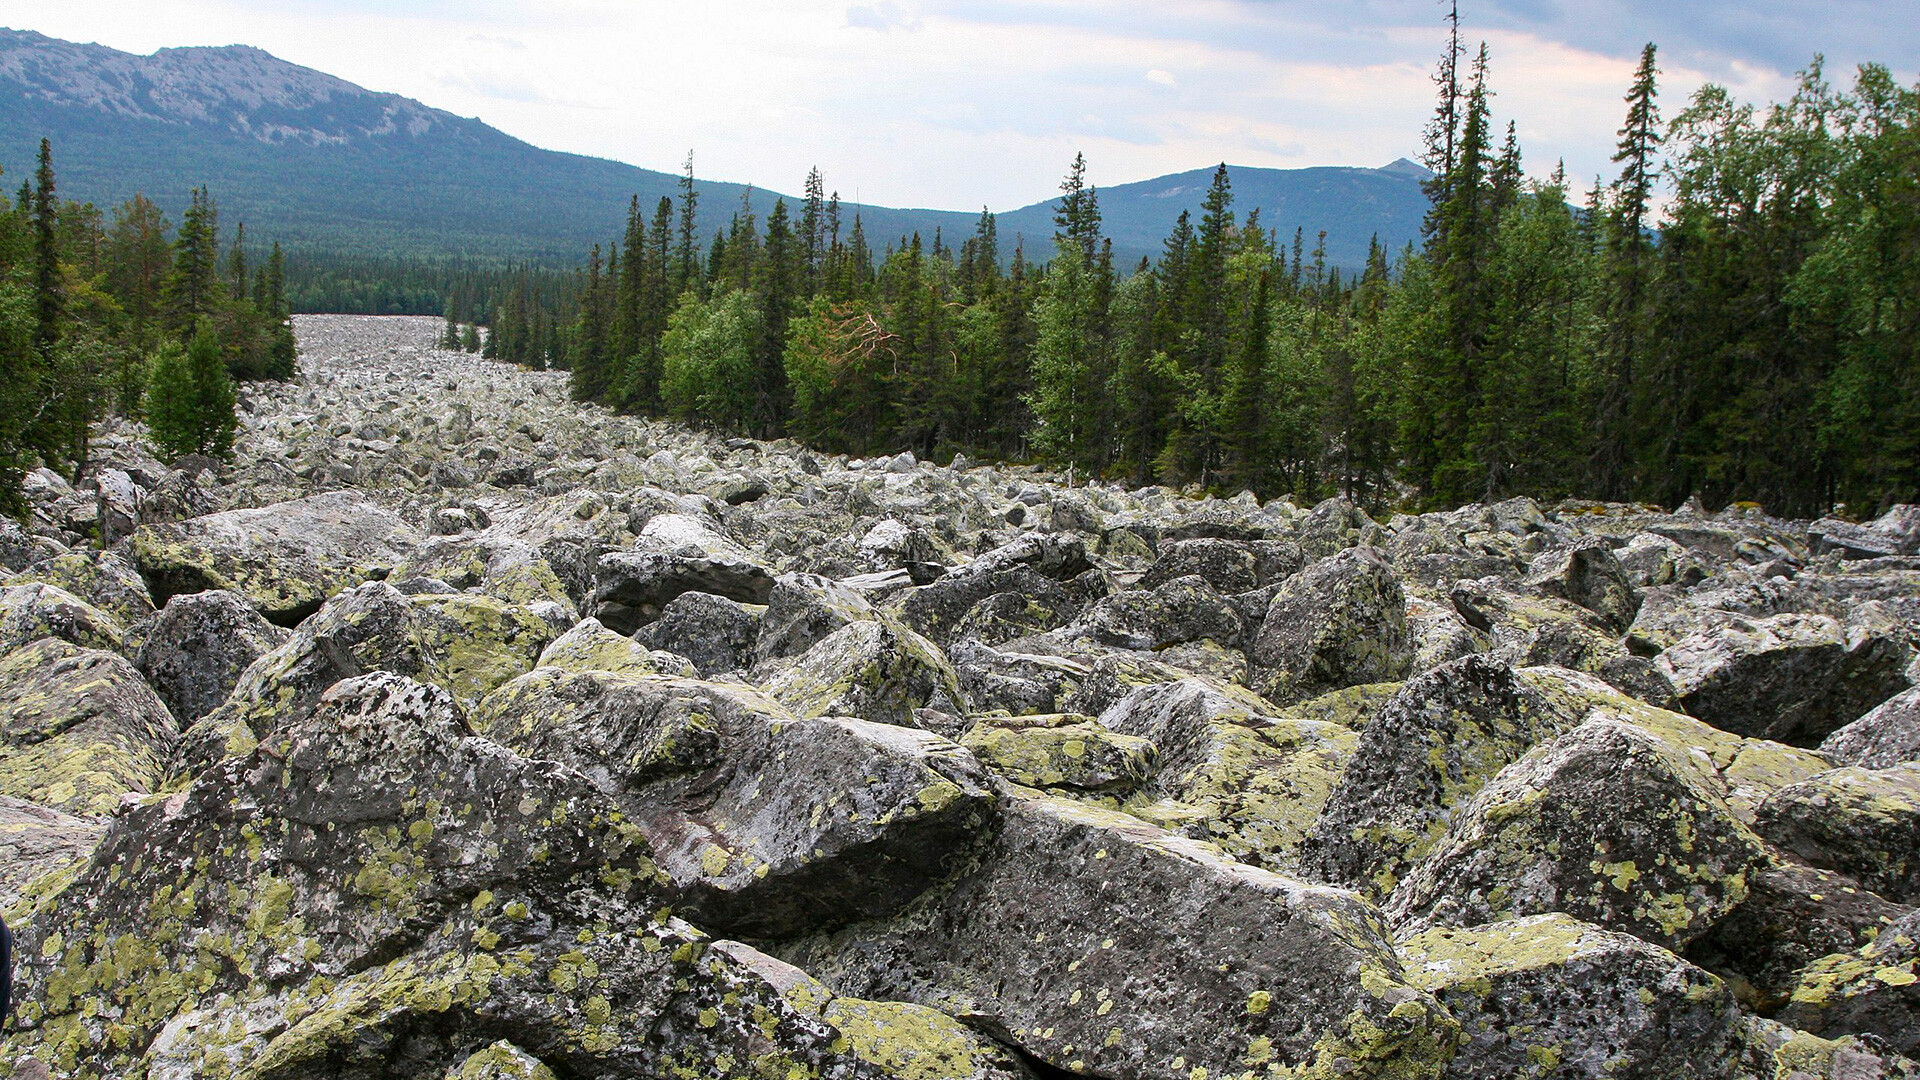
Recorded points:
(322, 164)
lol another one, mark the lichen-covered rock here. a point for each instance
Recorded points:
(380, 890)
(1872, 990)
(1587, 573)
(677, 555)
(1605, 823)
(1791, 678)
(1416, 764)
(196, 650)
(764, 825)
(910, 1042)
(1226, 565)
(79, 728)
(589, 646)
(1774, 1051)
(33, 611)
(802, 609)
(286, 558)
(465, 643)
(1102, 946)
(1885, 737)
(1018, 683)
(1861, 822)
(1065, 752)
(1231, 770)
(501, 1061)
(1793, 915)
(1181, 610)
(875, 670)
(1529, 629)
(1551, 996)
(716, 633)
(36, 841)
(1339, 622)
(101, 578)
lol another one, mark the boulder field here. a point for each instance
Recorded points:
(457, 730)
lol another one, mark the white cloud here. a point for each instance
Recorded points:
(970, 101)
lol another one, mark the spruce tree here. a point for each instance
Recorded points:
(190, 398)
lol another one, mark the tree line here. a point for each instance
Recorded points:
(1757, 337)
(132, 316)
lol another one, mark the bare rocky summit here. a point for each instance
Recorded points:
(459, 730)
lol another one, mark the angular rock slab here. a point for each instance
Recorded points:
(878, 670)
(33, 611)
(79, 728)
(1873, 990)
(1551, 996)
(1103, 946)
(198, 647)
(1339, 622)
(1061, 751)
(1861, 822)
(1791, 678)
(590, 646)
(1418, 762)
(1885, 737)
(1605, 823)
(764, 825)
(287, 559)
(382, 893)
(36, 842)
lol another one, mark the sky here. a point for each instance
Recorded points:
(951, 105)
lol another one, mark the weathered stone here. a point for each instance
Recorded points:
(286, 559)
(1177, 611)
(1550, 996)
(1145, 955)
(1227, 566)
(1587, 573)
(34, 611)
(1861, 822)
(1605, 823)
(716, 633)
(1339, 622)
(1065, 752)
(388, 889)
(633, 587)
(589, 646)
(1418, 762)
(1775, 1051)
(874, 670)
(101, 578)
(36, 842)
(802, 609)
(1873, 990)
(1527, 629)
(195, 652)
(81, 728)
(1791, 678)
(1793, 915)
(1885, 737)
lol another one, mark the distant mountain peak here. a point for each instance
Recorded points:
(1405, 167)
(242, 89)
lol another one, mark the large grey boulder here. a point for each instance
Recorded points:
(36, 841)
(1102, 946)
(1417, 763)
(1587, 573)
(1884, 737)
(1550, 996)
(1873, 990)
(633, 587)
(101, 578)
(1339, 622)
(1605, 823)
(392, 893)
(716, 633)
(1861, 822)
(31, 611)
(1791, 678)
(876, 670)
(286, 558)
(196, 650)
(79, 728)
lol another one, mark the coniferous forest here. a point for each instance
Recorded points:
(1734, 315)
(131, 316)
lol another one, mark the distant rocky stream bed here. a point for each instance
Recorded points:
(458, 730)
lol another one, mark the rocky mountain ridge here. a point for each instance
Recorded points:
(459, 730)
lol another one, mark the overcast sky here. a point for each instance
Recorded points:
(956, 105)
